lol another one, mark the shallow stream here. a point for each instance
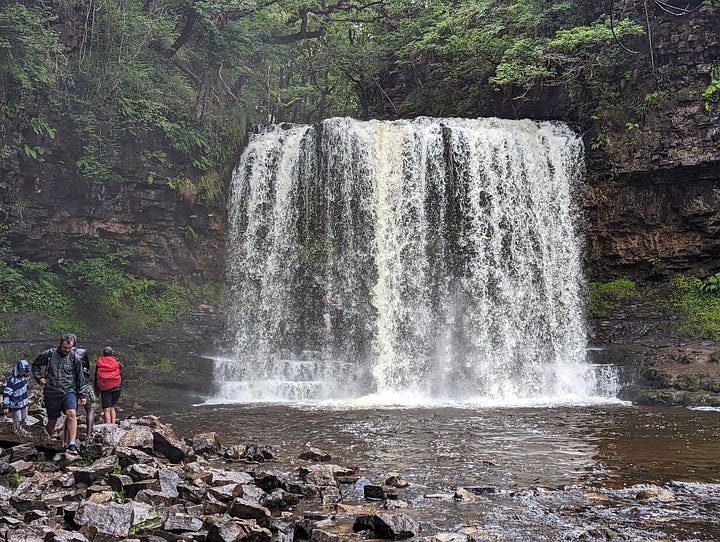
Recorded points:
(544, 473)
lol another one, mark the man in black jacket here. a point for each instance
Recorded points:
(60, 373)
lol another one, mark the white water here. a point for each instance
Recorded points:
(451, 243)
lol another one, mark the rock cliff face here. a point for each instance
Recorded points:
(654, 224)
(48, 207)
(652, 202)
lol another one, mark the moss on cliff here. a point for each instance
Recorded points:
(607, 296)
(700, 309)
(92, 296)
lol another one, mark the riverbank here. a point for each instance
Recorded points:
(658, 366)
(139, 480)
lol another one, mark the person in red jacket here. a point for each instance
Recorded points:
(108, 382)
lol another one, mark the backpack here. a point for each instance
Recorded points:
(107, 375)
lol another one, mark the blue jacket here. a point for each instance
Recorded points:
(15, 395)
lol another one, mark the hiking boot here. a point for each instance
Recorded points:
(72, 449)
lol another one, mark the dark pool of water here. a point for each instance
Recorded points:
(539, 462)
(508, 447)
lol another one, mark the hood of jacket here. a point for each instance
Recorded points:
(21, 366)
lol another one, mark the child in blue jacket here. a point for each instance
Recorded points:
(15, 397)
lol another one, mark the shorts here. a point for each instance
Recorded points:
(55, 405)
(19, 414)
(110, 398)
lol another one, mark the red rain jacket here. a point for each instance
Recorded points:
(107, 374)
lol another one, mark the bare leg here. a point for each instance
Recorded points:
(50, 427)
(113, 415)
(21, 431)
(71, 425)
(107, 414)
(90, 420)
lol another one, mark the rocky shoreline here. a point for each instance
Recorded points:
(138, 481)
(657, 366)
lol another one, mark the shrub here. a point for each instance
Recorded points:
(607, 296)
(699, 307)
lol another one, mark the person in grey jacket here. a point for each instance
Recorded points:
(60, 373)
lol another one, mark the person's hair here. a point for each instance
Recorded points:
(107, 351)
(69, 338)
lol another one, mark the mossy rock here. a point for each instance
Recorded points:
(689, 382)
(702, 399)
(660, 397)
(715, 357)
(713, 386)
(608, 296)
(657, 378)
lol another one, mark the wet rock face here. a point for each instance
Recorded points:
(652, 200)
(653, 225)
(50, 206)
(656, 366)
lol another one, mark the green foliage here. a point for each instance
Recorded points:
(112, 296)
(699, 306)
(156, 365)
(4, 230)
(31, 55)
(35, 152)
(607, 296)
(598, 141)
(137, 527)
(186, 79)
(94, 291)
(651, 101)
(711, 94)
(522, 63)
(189, 233)
(147, 115)
(185, 187)
(40, 126)
(96, 170)
(698, 204)
(210, 188)
(12, 480)
(573, 39)
(32, 288)
(710, 284)
(83, 461)
(465, 54)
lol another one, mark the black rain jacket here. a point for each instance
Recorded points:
(64, 374)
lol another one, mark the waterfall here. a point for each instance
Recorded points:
(425, 258)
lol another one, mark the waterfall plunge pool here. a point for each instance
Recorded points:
(552, 470)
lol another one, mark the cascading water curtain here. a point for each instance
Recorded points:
(433, 258)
